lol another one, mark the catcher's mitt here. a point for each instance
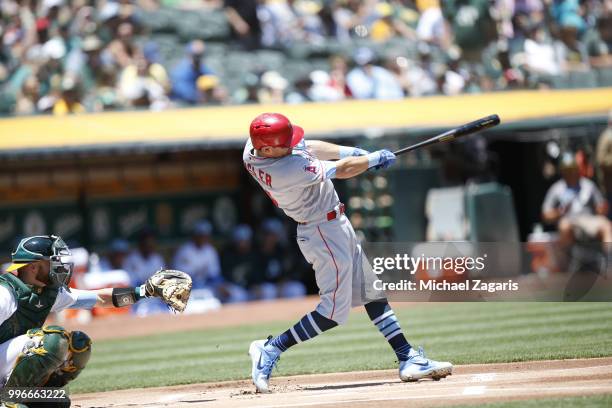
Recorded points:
(173, 287)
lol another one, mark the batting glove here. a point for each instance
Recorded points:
(381, 159)
(358, 151)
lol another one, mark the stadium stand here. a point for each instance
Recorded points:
(71, 56)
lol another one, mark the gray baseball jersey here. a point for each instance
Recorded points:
(298, 183)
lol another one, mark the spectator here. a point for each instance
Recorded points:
(86, 63)
(540, 57)
(279, 24)
(418, 77)
(242, 16)
(513, 77)
(274, 276)
(100, 47)
(431, 27)
(69, 101)
(104, 96)
(346, 18)
(450, 81)
(388, 26)
(51, 71)
(248, 93)
(145, 260)
(28, 97)
(603, 159)
(567, 14)
(598, 42)
(211, 89)
(309, 18)
(323, 89)
(339, 70)
(185, 75)
(472, 26)
(144, 84)
(198, 258)
(273, 86)
(301, 93)
(368, 81)
(238, 263)
(575, 205)
(118, 252)
(528, 7)
(122, 49)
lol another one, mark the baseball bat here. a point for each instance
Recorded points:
(463, 130)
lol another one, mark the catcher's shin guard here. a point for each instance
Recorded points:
(46, 351)
(79, 347)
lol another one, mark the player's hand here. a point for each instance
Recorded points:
(387, 158)
(171, 286)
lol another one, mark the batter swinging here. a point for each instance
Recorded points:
(297, 175)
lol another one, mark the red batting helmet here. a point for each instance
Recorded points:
(274, 130)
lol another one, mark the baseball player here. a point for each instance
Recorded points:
(297, 175)
(34, 355)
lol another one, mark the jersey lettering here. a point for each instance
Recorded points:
(259, 174)
(312, 169)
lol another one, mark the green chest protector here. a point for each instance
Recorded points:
(33, 307)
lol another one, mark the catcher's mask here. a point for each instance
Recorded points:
(45, 247)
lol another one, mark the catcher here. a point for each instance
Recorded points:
(34, 355)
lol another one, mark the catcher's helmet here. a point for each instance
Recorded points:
(274, 130)
(45, 247)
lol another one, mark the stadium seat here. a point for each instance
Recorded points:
(203, 25)
(7, 103)
(559, 81)
(335, 47)
(295, 69)
(158, 21)
(270, 59)
(586, 79)
(604, 76)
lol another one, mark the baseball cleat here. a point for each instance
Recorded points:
(263, 361)
(418, 366)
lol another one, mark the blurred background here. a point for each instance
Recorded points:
(124, 123)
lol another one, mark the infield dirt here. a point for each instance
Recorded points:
(480, 383)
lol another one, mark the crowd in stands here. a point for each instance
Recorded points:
(242, 270)
(72, 56)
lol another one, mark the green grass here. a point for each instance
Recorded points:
(591, 401)
(462, 333)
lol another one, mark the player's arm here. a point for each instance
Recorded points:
(8, 304)
(353, 166)
(171, 286)
(104, 297)
(330, 151)
(551, 210)
(88, 299)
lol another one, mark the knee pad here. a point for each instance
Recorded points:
(45, 352)
(79, 351)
